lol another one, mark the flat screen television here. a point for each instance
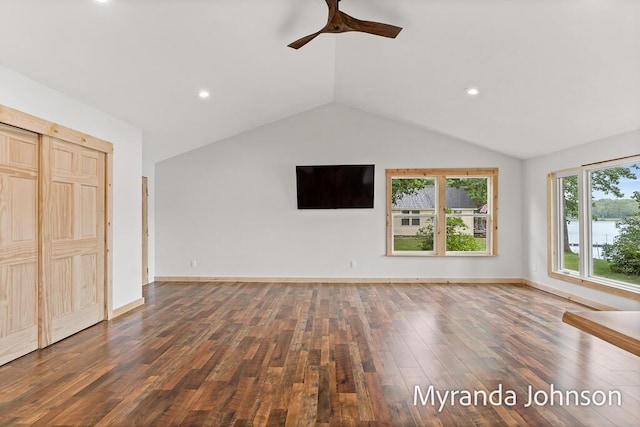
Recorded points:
(335, 186)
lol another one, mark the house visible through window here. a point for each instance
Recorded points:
(442, 211)
(595, 218)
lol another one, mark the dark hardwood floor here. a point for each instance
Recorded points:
(324, 354)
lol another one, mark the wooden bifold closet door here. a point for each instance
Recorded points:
(18, 242)
(52, 240)
(73, 258)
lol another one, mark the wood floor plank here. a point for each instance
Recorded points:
(294, 410)
(331, 354)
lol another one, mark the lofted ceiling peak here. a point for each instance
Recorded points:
(550, 75)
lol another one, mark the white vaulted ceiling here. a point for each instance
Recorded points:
(551, 73)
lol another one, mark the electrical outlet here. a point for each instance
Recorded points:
(353, 264)
(194, 263)
(534, 267)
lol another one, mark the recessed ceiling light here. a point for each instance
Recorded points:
(204, 94)
(472, 91)
(102, 1)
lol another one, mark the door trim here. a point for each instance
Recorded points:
(145, 231)
(44, 127)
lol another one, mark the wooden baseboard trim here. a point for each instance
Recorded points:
(569, 296)
(594, 285)
(470, 280)
(127, 307)
(419, 280)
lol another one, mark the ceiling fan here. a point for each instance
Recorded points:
(340, 22)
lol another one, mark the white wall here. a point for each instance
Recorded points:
(31, 97)
(535, 210)
(231, 205)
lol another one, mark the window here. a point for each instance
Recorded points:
(595, 218)
(441, 212)
(414, 220)
(570, 223)
(407, 219)
(466, 207)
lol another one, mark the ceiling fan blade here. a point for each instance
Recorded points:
(304, 40)
(376, 28)
(332, 5)
(339, 22)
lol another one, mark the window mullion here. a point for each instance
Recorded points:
(559, 224)
(441, 225)
(584, 212)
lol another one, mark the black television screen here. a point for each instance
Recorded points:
(335, 186)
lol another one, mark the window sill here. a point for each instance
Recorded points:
(432, 255)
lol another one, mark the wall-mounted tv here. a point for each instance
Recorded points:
(335, 186)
